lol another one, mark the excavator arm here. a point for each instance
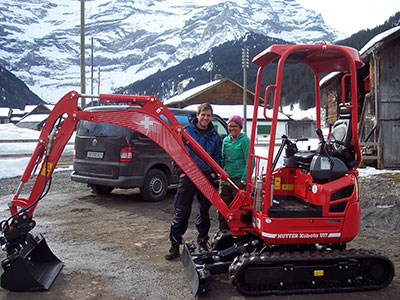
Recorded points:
(149, 117)
(147, 120)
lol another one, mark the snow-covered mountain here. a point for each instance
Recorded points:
(40, 39)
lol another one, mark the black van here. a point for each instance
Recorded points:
(109, 156)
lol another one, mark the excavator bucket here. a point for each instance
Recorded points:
(32, 268)
(197, 276)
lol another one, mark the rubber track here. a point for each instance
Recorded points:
(270, 262)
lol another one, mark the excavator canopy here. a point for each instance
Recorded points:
(322, 58)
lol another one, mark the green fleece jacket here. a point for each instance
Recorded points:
(234, 156)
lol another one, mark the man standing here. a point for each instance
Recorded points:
(202, 130)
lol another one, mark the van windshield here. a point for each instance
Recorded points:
(86, 128)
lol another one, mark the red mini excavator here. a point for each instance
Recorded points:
(288, 227)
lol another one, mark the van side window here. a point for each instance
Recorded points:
(220, 128)
(183, 120)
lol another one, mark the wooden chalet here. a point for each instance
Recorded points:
(221, 91)
(378, 99)
(36, 117)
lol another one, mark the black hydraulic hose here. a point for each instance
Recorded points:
(43, 192)
(284, 141)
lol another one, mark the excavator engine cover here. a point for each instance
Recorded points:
(32, 268)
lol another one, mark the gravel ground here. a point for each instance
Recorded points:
(113, 246)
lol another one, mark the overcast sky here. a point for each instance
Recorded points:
(350, 16)
(347, 16)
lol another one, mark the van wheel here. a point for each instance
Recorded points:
(101, 189)
(155, 186)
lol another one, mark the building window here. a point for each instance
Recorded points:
(220, 101)
(263, 129)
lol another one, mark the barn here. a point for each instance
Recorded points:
(221, 91)
(378, 99)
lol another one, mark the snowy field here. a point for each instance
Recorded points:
(11, 167)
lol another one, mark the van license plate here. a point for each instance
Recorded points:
(92, 154)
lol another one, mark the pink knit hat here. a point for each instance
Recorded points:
(237, 119)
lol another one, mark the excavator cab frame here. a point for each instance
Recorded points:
(311, 202)
(299, 182)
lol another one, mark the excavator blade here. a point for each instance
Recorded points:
(32, 268)
(197, 277)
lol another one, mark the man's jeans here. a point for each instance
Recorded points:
(183, 206)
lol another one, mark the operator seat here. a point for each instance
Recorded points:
(335, 157)
(341, 139)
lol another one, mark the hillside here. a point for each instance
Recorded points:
(359, 39)
(227, 61)
(15, 93)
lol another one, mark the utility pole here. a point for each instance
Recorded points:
(98, 81)
(211, 65)
(83, 87)
(98, 86)
(91, 68)
(245, 65)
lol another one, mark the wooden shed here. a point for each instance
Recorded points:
(297, 129)
(36, 117)
(378, 99)
(221, 91)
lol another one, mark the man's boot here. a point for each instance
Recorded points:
(203, 246)
(173, 251)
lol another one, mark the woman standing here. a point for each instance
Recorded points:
(235, 152)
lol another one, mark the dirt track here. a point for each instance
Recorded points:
(113, 246)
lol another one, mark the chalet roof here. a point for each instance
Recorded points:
(5, 112)
(186, 95)
(35, 118)
(17, 111)
(30, 107)
(377, 41)
(33, 121)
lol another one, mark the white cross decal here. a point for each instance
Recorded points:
(146, 122)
